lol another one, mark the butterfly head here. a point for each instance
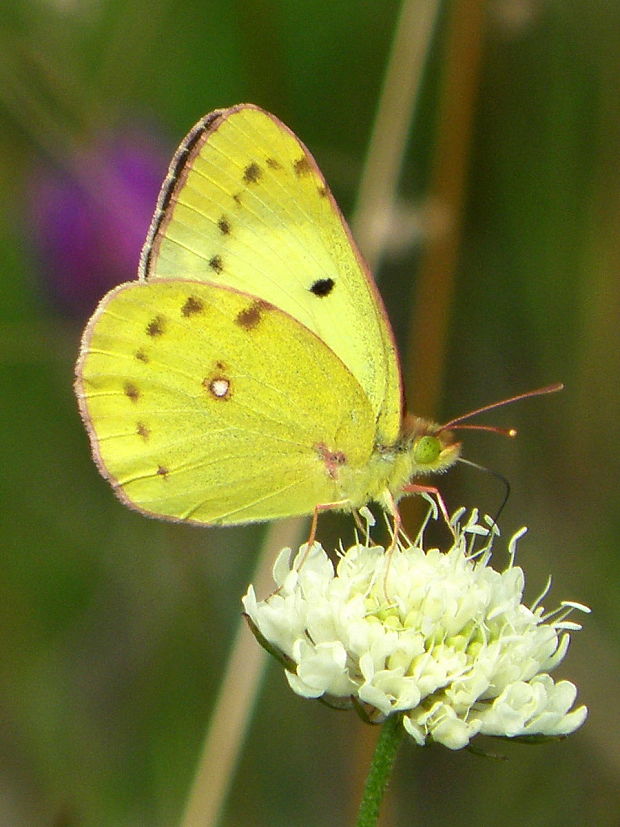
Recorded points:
(430, 447)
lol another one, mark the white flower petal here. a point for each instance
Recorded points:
(417, 732)
(442, 637)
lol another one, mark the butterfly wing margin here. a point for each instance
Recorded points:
(206, 405)
(246, 206)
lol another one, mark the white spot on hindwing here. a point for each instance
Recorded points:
(219, 387)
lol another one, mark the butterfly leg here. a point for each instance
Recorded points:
(358, 520)
(362, 527)
(416, 488)
(398, 523)
(313, 525)
(315, 516)
(392, 508)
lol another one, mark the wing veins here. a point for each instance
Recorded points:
(253, 503)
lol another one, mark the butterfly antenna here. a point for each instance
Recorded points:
(456, 423)
(498, 476)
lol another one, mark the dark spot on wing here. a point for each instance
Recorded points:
(216, 264)
(237, 198)
(143, 431)
(156, 326)
(302, 166)
(252, 173)
(272, 163)
(224, 225)
(131, 391)
(322, 190)
(322, 287)
(250, 317)
(162, 471)
(192, 306)
(141, 356)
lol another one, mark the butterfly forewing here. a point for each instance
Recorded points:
(245, 206)
(208, 405)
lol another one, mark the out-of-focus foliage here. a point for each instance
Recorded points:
(115, 628)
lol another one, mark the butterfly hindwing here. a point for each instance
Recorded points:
(245, 206)
(212, 406)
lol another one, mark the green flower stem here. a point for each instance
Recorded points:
(392, 732)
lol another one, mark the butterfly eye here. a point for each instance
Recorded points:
(426, 450)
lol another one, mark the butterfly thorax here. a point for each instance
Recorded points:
(422, 448)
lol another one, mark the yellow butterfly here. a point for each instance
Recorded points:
(250, 372)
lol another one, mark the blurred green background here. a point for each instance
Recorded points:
(115, 627)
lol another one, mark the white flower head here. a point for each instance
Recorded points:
(439, 637)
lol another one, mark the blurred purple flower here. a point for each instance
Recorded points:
(88, 225)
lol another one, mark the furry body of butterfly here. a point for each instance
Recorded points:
(250, 372)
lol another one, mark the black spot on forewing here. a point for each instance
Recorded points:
(224, 225)
(216, 264)
(272, 163)
(322, 190)
(156, 327)
(162, 471)
(322, 287)
(131, 391)
(141, 356)
(252, 173)
(192, 306)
